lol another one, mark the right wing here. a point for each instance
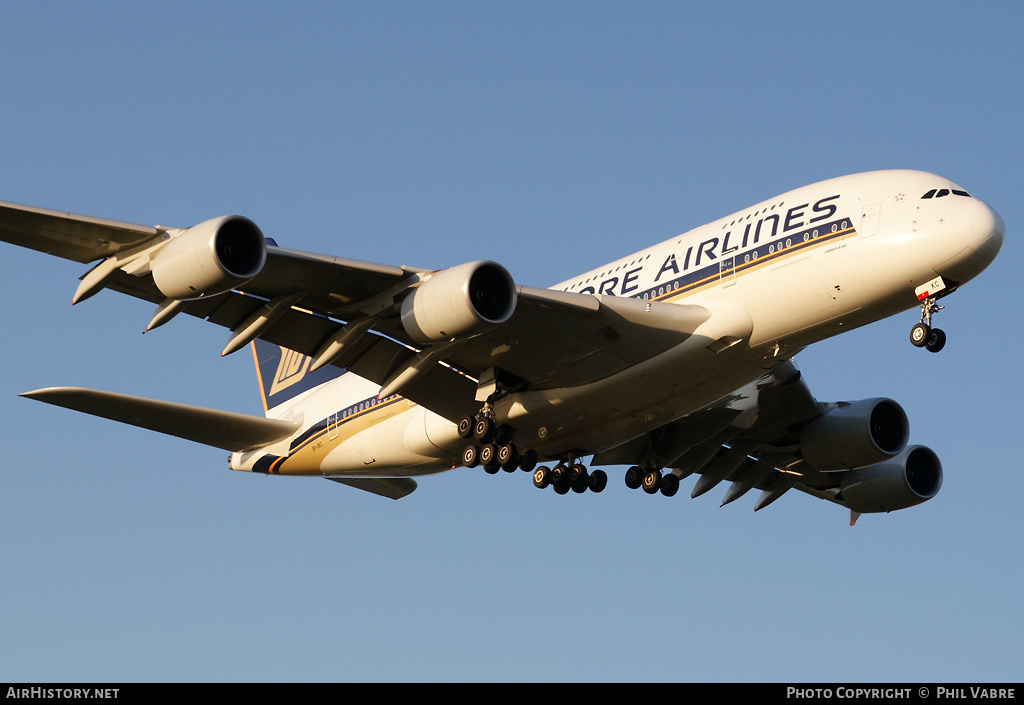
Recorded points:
(308, 303)
(221, 429)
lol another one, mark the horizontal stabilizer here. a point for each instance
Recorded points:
(220, 429)
(390, 487)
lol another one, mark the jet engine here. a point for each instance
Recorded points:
(210, 258)
(855, 434)
(459, 302)
(912, 477)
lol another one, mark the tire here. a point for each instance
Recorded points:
(465, 427)
(634, 477)
(503, 434)
(489, 459)
(541, 477)
(483, 430)
(579, 479)
(471, 456)
(508, 457)
(936, 341)
(652, 481)
(919, 335)
(669, 485)
(598, 480)
(528, 461)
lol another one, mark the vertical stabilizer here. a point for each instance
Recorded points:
(283, 374)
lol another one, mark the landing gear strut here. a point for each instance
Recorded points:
(923, 335)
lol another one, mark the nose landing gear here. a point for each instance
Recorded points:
(923, 335)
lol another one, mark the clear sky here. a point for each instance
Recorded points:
(551, 137)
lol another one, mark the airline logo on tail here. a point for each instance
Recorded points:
(290, 370)
(284, 374)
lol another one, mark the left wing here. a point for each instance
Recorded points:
(431, 336)
(772, 435)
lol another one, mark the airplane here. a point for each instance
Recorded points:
(672, 361)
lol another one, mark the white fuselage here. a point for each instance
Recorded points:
(776, 277)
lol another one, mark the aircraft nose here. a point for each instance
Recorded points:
(989, 231)
(978, 243)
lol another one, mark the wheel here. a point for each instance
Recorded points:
(579, 479)
(541, 477)
(489, 459)
(669, 485)
(652, 481)
(471, 456)
(634, 476)
(936, 341)
(503, 434)
(528, 460)
(483, 430)
(561, 487)
(919, 335)
(559, 474)
(598, 480)
(465, 426)
(508, 457)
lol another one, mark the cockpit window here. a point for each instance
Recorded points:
(939, 193)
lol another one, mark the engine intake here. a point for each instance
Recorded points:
(913, 477)
(459, 302)
(210, 258)
(856, 434)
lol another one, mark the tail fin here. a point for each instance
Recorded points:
(283, 374)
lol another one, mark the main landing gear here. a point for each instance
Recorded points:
(923, 335)
(570, 475)
(652, 481)
(493, 447)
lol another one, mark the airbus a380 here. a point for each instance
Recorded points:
(672, 361)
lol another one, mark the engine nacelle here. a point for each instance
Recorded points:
(857, 434)
(913, 477)
(210, 258)
(459, 302)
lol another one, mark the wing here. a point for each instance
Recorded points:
(220, 429)
(772, 435)
(390, 324)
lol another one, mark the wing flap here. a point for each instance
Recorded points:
(220, 429)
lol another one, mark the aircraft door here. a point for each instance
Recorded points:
(869, 216)
(727, 270)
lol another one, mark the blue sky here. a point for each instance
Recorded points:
(550, 137)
